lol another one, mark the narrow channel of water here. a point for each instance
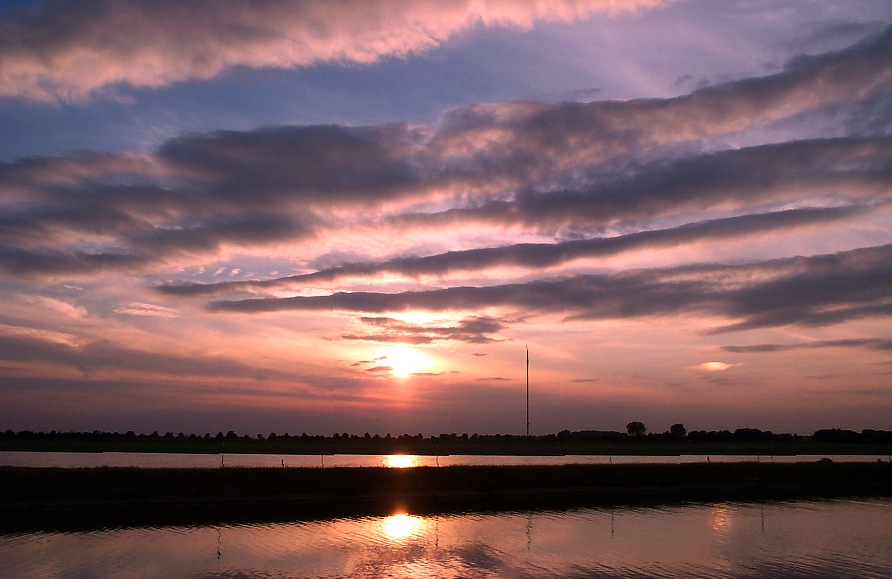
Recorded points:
(839, 538)
(181, 460)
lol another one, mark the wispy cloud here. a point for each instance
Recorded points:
(473, 330)
(71, 50)
(817, 290)
(868, 343)
(99, 355)
(543, 255)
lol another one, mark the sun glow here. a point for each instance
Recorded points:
(404, 360)
(713, 366)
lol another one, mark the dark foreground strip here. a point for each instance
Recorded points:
(36, 498)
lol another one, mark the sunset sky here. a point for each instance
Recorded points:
(355, 215)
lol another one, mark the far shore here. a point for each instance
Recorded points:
(442, 446)
(101, 497)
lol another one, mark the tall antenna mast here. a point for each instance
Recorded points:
(528, 391)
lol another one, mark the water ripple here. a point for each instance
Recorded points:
(797, 539)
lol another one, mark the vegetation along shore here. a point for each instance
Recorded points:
(636, 441)
(126, 496)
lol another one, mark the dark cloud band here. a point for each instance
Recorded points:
(817, 290)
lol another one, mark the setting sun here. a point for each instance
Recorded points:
(405, 360)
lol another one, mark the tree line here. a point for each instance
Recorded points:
(636, 431)
(679, 432)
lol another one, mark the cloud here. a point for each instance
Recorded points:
(552, 146)
(821, 290)
(797, 170)
(146, 310)
(879, 344)
(816, 290)
(209, 234)
(543, 255)
(569, 170)
(713, 367)
(101, 355)
(309, 165)
(72, 50)
(50, 261)
(472, 330)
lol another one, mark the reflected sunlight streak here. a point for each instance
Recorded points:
(401, 461)
(721, 519)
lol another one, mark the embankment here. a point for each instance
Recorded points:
(87, 498)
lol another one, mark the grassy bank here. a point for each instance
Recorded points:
(133, 496)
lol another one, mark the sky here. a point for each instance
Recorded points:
(356, 216)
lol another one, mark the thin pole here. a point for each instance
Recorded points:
(528, 391)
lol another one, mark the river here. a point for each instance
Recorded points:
(836, 538)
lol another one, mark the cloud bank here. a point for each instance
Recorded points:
(568, 170)
(292, 259)
(817, 290)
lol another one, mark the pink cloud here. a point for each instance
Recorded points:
(73, 50)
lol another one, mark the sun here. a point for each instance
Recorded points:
(405, 360)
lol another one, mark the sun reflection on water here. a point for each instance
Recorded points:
(401, 460)
(401, 526)
(721, 519)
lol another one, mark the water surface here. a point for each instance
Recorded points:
(840, 538)
(185, 460)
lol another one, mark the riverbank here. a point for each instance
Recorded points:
(41, 498)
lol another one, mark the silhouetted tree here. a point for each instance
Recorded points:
(836, 435)
(636, 429)
(747, 434)
(876, 436)
(677, 431)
